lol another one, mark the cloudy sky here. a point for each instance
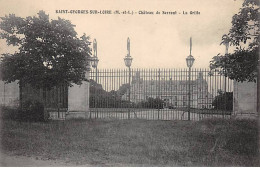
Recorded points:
(157, 41)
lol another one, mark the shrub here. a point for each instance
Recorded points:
(224, 101)
(9, 112)
(31, 111)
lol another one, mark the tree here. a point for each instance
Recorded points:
(242, 64)
(49, 51)
(101, 98)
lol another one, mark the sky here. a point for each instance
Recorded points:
(157, 41)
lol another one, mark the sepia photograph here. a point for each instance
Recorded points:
(112, 83)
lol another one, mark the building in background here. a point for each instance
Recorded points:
(174, 93)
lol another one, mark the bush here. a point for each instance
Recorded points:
(224, 101)
(31, 111)
(9, 112)
(151, 103)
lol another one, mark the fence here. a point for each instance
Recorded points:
(55, 100)
(57, 97)
(165, 94)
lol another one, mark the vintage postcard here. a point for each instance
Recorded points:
(129, 83)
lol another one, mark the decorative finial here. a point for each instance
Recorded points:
(226, 50)
(95, 47)
(128, 46)
(225, 41)
(190, 45)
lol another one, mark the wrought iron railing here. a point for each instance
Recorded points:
(160, 94)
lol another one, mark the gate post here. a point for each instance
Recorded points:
(87, 94)
(159, 95)
(78, 99)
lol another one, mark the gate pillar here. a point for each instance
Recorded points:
(78, 99)
(245, 97)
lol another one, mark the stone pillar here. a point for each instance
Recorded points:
(9, 94)
(87, 93)
(245, 97)
(78, 99)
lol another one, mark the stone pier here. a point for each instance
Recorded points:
(245, 97)
(78, 100)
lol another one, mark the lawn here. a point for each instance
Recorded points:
(135, 142)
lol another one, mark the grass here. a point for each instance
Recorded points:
(135, 142)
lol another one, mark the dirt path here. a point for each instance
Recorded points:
(23, 161)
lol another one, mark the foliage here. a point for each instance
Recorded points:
(31, 111)
(8, 112)
(223, 101)
(102, 99)
(242, 64)
(152, 103)
(49, 52)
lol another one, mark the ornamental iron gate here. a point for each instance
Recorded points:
(160, 94)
